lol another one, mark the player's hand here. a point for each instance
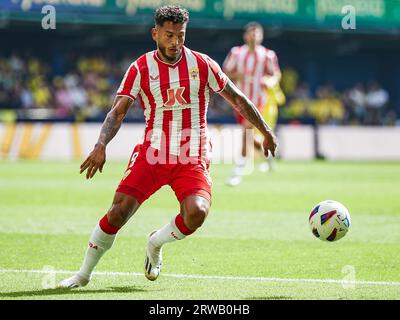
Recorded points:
(269, 81)
(95, 161)
(269, 143)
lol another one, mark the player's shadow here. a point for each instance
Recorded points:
(66, 291)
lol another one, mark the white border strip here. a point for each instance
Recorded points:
(192, 276)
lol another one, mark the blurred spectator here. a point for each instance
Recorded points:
(355, 100)
(63, 98)
(77, 91)
(328, 108)
(289, 81)
(300, 100)
(391, 119)
(85, 87)
(16, 64)
(3, 97)
(302, 92)
(376, 100)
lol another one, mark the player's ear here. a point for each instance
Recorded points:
(245, 37)
(154, 33)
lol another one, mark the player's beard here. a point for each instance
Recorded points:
(171, 59)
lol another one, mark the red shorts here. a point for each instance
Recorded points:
(142, 178)
(240, 119)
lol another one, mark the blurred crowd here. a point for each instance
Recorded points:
(361, 104)
(83, 89)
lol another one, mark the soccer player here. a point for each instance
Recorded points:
(173, 84)
(253, 68)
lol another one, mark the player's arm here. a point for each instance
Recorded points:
(247, 109)
(230, 67)
(273, 73)
(272, 81)
(97, 158)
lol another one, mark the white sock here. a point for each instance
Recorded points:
(241, 162)
(99, 243)
(168, 233)
(270, 161)
(240, 165)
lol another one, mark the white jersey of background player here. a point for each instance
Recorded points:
(253, 68)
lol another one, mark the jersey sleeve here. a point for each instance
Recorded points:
(271, 63)
(130, 84)
(217, 79)
(230, 62)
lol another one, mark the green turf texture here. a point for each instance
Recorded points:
(258, 229)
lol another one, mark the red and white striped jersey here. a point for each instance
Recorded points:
(175, 98)
(254, 66)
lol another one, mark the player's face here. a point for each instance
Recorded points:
(253, 36)
(170, 39)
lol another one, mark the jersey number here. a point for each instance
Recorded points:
(131, 163)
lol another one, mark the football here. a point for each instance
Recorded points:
(329, 220)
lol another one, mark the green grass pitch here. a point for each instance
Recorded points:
(255, 244)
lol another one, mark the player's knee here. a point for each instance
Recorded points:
(122, 209)
(196, 215)
(117, 216)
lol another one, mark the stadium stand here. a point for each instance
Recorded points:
(30, 86)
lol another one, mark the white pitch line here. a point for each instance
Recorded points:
(193, 276)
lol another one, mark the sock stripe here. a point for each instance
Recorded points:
(107, 227)
(180, 224)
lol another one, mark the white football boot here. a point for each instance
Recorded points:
(75, 281)
(264, 167)
(153, 260)
(237, 174)
(234, 180)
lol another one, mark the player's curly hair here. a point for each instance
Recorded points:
(173, 13)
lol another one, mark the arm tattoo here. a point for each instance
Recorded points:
(109, 128)
(114, 119)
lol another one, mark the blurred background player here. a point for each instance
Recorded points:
(254, 69)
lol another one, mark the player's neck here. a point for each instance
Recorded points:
(252, 48)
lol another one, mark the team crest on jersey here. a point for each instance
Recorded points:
(194, 73)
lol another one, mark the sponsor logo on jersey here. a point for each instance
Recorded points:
(175, 98)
